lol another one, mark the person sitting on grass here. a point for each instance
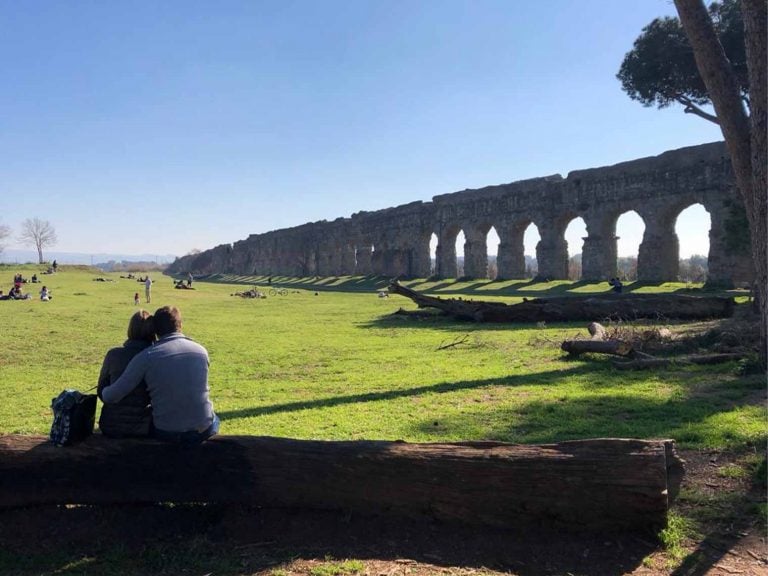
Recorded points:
(176, 372)
(45, 295)
(132, 415)
(15, 293)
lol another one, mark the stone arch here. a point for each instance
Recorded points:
(658, 257)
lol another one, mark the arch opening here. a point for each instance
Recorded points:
(692, 227)
(492, 242)
(433, 254)
(575, 233)
(629, 230)
(461, 239)
(531, 238)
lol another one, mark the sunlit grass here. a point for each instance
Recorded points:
(326, 364)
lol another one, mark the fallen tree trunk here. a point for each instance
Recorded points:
(566, 309)
(614, 347)
(587, 484)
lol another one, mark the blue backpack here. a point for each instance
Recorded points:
(73, 417)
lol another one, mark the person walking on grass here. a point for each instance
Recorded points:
(175, 370)
(148, 288)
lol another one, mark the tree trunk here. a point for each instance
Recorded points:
(745, 137)
(613, 347)
(623, 306)
(755, 15)
(587, 484)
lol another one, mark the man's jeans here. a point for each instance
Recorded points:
(191, 437)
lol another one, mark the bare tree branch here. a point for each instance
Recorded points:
(40, 233)
(5, 231)
(691, 108)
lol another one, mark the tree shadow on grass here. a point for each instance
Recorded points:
(549, 378)
(688, 419)
(436, 320)
(232, 540)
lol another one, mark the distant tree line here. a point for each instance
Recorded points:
(130, 266)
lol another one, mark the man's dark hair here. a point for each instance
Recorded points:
(167, 320)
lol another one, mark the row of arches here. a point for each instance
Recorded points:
(692, 227)
(597, 244)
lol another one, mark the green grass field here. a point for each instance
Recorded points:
(336, 365)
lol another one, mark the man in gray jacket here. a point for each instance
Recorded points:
(176, 372)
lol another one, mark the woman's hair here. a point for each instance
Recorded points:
(141, 327)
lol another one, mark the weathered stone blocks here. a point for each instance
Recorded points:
(395, 241)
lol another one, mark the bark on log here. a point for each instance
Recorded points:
(566, 309)
(587, 484)
(614, 347)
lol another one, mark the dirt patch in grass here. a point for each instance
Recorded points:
(722, 506)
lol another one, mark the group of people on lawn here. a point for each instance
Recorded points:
(156, 383)
(17, 293)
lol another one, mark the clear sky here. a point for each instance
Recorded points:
(162, 127)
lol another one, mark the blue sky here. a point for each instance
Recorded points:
(162, 127)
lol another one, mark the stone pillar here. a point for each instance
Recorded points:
(363, 260)
(397, 262)
(599, 253)
(419, 259)
(377, 260)
(511, 258)
(446, 256)
(552, 253)
(659, 254)
(347, 264)
(729, 261)
(475, 254)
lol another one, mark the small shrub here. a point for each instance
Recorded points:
(678, 529)
(732, 471)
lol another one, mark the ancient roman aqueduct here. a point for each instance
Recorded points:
(395, 241)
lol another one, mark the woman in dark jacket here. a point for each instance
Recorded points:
(132, 416)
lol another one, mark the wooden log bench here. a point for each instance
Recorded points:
(587, 484)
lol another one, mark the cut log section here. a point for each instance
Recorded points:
(566, 309)
(613, 347)
(588, 484)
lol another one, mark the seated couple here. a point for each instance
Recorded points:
(157, 387)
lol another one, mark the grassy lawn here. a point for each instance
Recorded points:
(329, 364)
(327, 360)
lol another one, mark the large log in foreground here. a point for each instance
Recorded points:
(570, 308)
(586, 484)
